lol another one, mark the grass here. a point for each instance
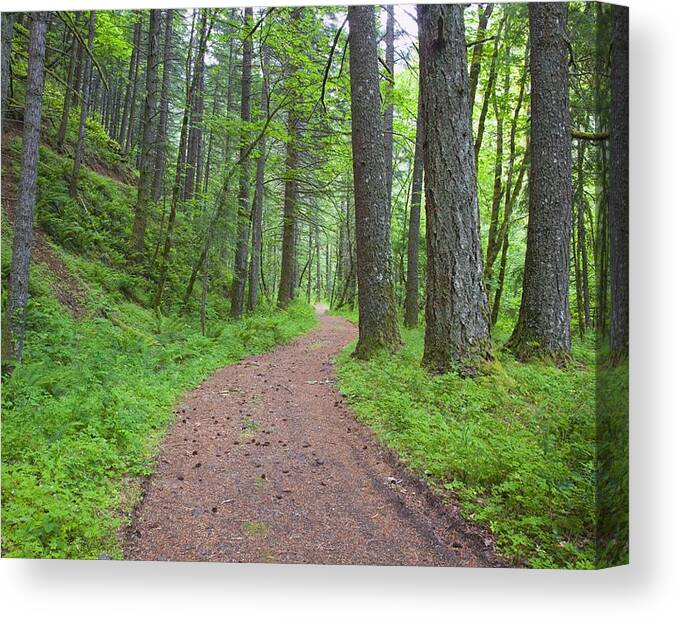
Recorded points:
(515, 445)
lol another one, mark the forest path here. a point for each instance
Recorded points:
(264, 463)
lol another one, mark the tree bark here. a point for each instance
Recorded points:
(412, 286)
(147, 140)
(457, 315)
(619, 184)
(377, 325)
(543, 328)
(243, 221)
(84, 108)
(13, 335)
(388, 110)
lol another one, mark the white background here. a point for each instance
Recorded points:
(644, 589)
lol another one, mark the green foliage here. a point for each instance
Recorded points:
(516, 444)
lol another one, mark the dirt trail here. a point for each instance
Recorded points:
(264, 463)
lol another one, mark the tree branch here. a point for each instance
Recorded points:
(329, 63)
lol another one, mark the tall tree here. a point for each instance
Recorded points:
(68, 95)
(130, 91)
(388, 110)
(84, 108)
(287, 284)
(258, 206)
(543, 327)
(147, 139)
(13, 334)
(161, 139)
(243, 220)
(457, 315)
(412, 285)
(619, 184)
(377, 324)
(193, 171)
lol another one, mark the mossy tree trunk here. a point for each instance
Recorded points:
(377, 325)
(13, 334)
(457, 314)
(543, 328)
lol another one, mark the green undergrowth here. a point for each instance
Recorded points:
(515, 444)
(85, 410)
(88, 405)
(345, 312)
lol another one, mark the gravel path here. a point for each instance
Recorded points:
(264, 463)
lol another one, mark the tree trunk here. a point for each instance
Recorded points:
(574, 252)
(477, 55)
(147, 140)
(13, 335)
(412, 287)
(84, 108)
(243, 221)
(388, 111)
(601, 239)
(493, 240)
(258, 207)
(457, 315)
(197, 104)
(318, 280)
(543, 327)
(68, 95)
(203, 294)
(619, 184)
(286, 284)
(8, 20)
(78, 63)
(161, 142)
(377, 325)
(130, 91)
